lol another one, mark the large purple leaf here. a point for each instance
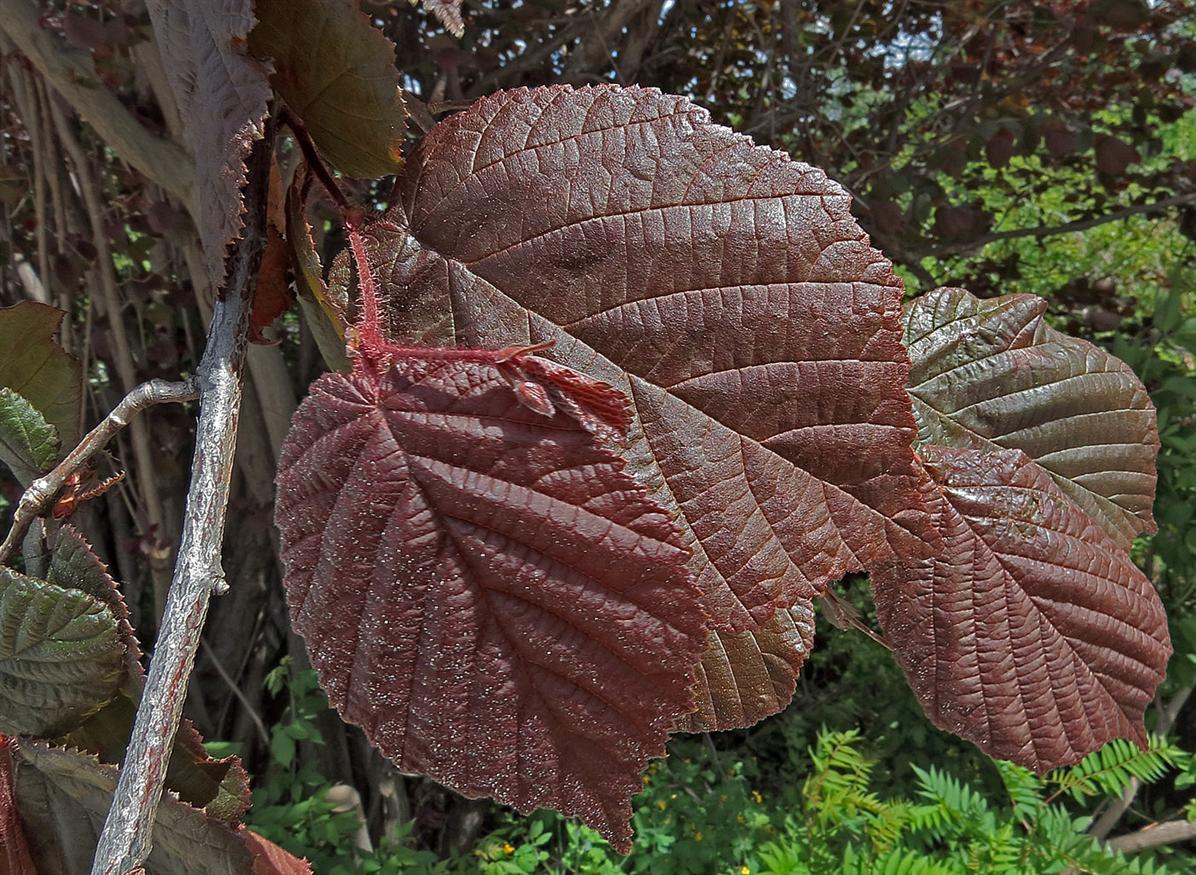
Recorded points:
(992, 373)
(723, 287)
(480, 584)
(1030, 633)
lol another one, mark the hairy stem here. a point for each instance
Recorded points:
(128, 832)
(41, 492)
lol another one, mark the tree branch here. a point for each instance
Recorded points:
(128, 832)
(71, 73)
(1067, 227)
(42, 491)
(1168, 833)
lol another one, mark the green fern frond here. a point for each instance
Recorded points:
(1024, 789)
(905, 862)
(1109, 770)
(957, 803)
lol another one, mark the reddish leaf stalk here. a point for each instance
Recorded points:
(369, 341)
(312, 157)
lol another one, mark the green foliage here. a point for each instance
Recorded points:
(291, 805)
(1109, 770)
(28, 444)
(692, 819)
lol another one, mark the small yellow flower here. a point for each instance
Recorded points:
(508, 848)
(698, 836)
(662, 805)
(739, 818)
(756, 795)
(745, 870)
(646, 780)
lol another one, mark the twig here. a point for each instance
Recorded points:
(41, 492)
(263, 734)
(1065, 228)
(146, 478)
(128, 832)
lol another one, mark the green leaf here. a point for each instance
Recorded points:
(64, 795)
(28, 444)
(61, 657)
(75, 565)
(33, 365)
(336, 72)
(1109, 770)
(1167, 312)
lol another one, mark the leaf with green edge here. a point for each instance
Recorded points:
(481, 585)
(64, 796)
(337, 74)
(324, 313)
(61, 657)
(992, 373)
(218, 786)
(1030, 633)
(35, 366)
(29, 445)
(723, 287)
(746, 676)
(75, 565)
(222, 94)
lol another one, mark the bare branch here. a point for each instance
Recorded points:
(1156, 835)
(71, 73)
(128, 832)
(41, 492)
(1067, 227)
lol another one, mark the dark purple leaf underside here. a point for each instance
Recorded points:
(1031, 633)
(723, 287)
(484, 589)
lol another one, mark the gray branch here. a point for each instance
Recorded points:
(128, 832)
(1168, 833)
(42, 491)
